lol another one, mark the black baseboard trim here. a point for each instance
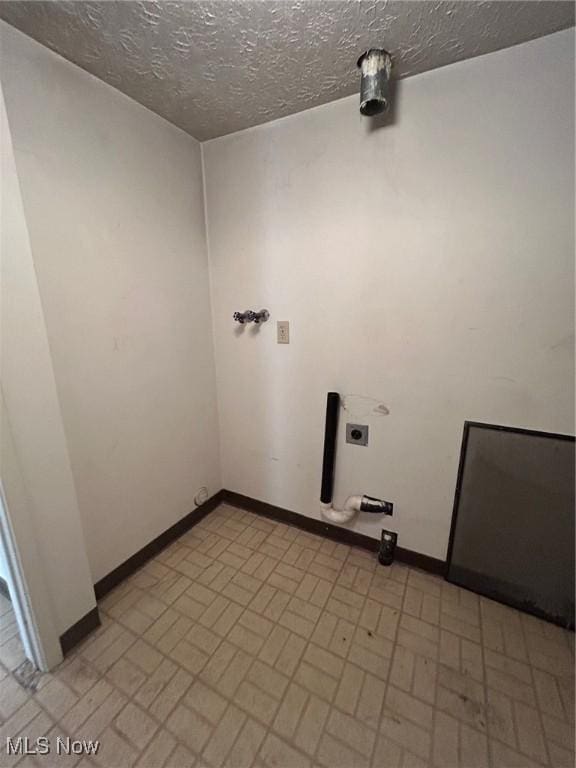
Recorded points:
(4, 591)
(77, 632)
(138, 559)
(329, 531)
(318, 527)
(421, 561)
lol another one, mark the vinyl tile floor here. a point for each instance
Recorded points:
(11, 650)
(251, 643)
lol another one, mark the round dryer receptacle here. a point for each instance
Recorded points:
(201, 497)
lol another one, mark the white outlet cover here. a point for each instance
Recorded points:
(283, 332)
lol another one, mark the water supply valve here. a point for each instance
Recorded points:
(249, 316)
(262, 316)
(243, 317)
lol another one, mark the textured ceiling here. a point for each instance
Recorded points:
(218, 66)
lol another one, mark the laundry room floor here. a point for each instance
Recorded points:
(11, 650)
(252, 643)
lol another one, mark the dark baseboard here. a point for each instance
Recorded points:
(421, 561)
(73, 634)
(138, 559)
(4, 591)
(78, 631)
(329, 531)
(309, 524)
(318, 527)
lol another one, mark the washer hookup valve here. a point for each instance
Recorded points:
(249, 316)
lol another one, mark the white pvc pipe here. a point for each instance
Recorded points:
(344, 515)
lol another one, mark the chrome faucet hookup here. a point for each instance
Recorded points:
(249, 316)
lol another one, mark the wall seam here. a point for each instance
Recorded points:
(212, 314)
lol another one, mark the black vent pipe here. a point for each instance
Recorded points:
(332, 412)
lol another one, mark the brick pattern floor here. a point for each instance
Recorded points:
(250, 643)
(11, 650)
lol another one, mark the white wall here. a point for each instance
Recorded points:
(34, 464)
(427, 264)
(113, 200)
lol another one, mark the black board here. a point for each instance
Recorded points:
(512, 534)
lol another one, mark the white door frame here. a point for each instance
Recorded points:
(30, 598)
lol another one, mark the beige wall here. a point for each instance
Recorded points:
(113, 201)
(428, 264)
(35, 468)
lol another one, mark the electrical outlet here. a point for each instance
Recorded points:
(201, 496)
(283, 332)
(357, 434)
